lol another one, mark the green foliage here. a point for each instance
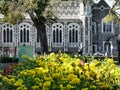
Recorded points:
(14, 10)
(114, 13)
(6, 59)
(110, 17)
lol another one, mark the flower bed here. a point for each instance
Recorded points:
(62, 72)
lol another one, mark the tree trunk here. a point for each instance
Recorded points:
(41, 32)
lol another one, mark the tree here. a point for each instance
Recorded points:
(39, 11)
(114, 15)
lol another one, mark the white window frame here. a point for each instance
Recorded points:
(27, 29)
(5, 29)
(74, 44)
(106, 26)
(57, 44)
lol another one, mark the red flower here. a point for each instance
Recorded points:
(7, 70)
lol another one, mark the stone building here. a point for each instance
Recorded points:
(77, 26)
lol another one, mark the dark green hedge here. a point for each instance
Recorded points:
(6, 59)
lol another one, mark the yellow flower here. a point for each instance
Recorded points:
(52, 54)
(40, 63)
(31, 72)
(37, 80)
(30, 58)
(47, 78)
(70, 86)
(19, 82)
(86, 66)
(39, 71)
(61, 58)
(0, 84)
(111, 61)
(92, 65)
(61, 86)
(23, 73)
(35, 87)
(75, 81)
(71, 76)
(24, 56)
(51, 64)
(47, 84)
(22, 88)
(5, 78)
(45, 88)
(64, 79)
(56, 75)
(84, 88)
(0, 76)
(105, 87)
(99, 75)
(93, 87)
(40, 84)
(100, 83)
(11, 81)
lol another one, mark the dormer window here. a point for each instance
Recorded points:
(107, 27)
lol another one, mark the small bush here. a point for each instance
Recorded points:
(6, 59)
(14, 59)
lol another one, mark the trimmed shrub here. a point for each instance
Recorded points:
(6, 59)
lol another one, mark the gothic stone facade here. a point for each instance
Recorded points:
(78, 26)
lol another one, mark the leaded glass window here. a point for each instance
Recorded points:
(24, 32)
(7, 33)
(57, 29)
(73, 29)
(107, 27)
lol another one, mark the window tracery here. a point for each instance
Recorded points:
(24, 32)
(57, 30)
(7, 33)
(73, 33)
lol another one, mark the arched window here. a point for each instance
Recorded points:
(57, 29)
(7, 33)
(73, 29)
(24, 32)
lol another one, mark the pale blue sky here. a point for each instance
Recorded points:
(110, 2)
